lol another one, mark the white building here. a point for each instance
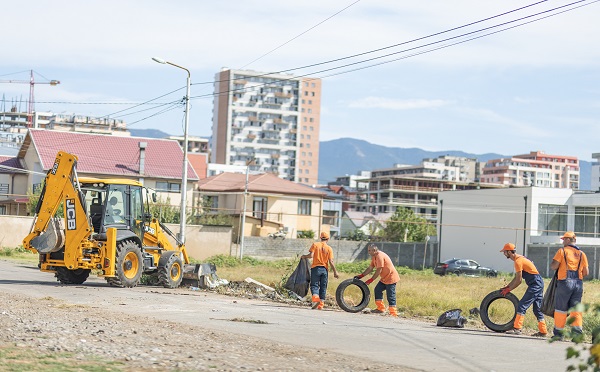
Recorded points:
(476, 224)
(270, 121)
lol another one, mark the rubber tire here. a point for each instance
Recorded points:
(457, 272)
(339, 295)
(484, 307)
(125, 249)
(491, 275)
(66, 276)
(170, 269)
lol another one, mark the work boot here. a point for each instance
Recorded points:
(518, 324)
(320, 305)
(315, 301)
(543, 331)
(393, 311)
(380, 307)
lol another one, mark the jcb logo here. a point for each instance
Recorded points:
(70, 213)
(55, 166)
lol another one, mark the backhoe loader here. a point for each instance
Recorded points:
(106, 227)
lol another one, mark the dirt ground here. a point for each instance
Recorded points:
(140, 344)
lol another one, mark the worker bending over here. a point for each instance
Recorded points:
(525, 269)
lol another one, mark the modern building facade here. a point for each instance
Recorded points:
(476, 224)
(534, 169)
(269, 122)
(416, 186)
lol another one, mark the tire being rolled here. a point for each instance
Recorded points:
(339, 295)
(485, 305)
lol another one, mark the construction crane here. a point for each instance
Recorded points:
(31, 104)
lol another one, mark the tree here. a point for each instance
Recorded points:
(404, 225)
(358, 235)
(164, 211)
(205, 215)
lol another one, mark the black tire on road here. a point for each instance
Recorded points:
(339, 295)
(129, 266)
(66, 276)
(485, 305)
(170, 269)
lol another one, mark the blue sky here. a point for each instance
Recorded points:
(534, 87)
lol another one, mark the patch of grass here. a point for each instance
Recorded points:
(14, 359)
(18, 253)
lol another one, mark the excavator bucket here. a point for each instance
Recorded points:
(51, 240)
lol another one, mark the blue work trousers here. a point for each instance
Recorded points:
(533, 295)
(390, 292)
(318, 281)
(568, 292)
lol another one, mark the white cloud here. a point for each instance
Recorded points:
(397, 104)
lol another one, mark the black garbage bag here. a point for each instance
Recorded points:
(452, 318)
(299, 281)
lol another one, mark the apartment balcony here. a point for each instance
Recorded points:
(434, 190)
(278, 121)
(275, 156)
(251, 136)
(240, 82)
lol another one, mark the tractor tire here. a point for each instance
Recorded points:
(484, 307)
(170, 269)
(66, 276)
(339, 295)
(129, 265)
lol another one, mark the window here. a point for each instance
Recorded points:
(309, 102)
(311, 128)
(168, 187)
(312, 85)
(587, 221)
(552, 219)
(259, 208)
(330, 218)
(310, 111)
(304, 127)
(308, 136)
(311, 120)
(304, 207)
(2, 209)
(312, 94)
(4, 188)
(310, 154)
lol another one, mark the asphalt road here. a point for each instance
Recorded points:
(401, 342)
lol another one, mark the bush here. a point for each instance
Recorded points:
(306, 234)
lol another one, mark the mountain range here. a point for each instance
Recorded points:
(346, 156)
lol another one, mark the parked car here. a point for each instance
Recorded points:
(462, 266)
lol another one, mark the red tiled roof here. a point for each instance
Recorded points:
(259, 183)
(110, 155)
(8, 162)
(198, 162)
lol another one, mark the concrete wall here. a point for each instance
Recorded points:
(542, 256)
(201, 241)
(402, 254)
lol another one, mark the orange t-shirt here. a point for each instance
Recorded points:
(322, 253)
(573, 257)
(388, 275)
(522, 263)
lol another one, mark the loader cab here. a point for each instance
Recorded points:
(118, 205)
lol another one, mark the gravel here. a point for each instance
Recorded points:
(49, 325)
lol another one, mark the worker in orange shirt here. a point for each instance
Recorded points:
(322, 257)
(572, 266)
(525, 269)
(385, 269)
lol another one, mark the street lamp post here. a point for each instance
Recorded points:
(185, 149)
